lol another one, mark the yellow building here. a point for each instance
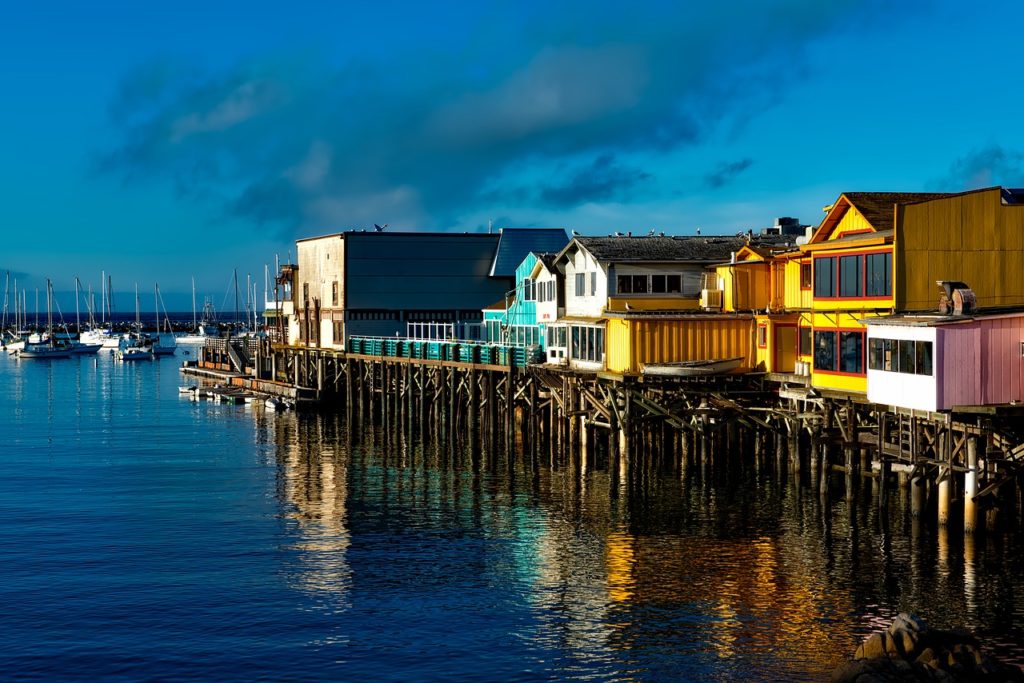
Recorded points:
(851, 274)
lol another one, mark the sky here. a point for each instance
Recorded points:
(161, 142)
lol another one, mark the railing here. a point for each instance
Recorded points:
(456, 351)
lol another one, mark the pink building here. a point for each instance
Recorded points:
(939, 362)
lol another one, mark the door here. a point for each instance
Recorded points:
(785, 348)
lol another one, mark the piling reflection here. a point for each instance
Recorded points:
(665, 569)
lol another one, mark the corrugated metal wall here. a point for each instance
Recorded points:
(632, 342)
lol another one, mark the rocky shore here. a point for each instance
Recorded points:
(910, 651)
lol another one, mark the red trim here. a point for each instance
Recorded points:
(799, 353)
(837, 255)
(853, 232)
(810, 267)
(863, 350)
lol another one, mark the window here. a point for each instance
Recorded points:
(879, 274)
(850, 283)
(805, 275)
(338, 331)
(581, 284)
(639, 284)
(658, 285)
(825, 277)
(923, 355)
(762, 336)
(890, 355)
(908, 356)
(624, 284)
(593, 284)
(804, 340)
(587, 343)
(528, 291)
(575, 350)
(824, 350)
(305, 293)
(673, 284)
(334, 294)
(851, 352)
(876, 354)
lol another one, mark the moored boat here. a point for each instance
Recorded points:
(694, 368)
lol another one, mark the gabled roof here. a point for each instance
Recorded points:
(515, 243)
(657, 249)
(878, 209)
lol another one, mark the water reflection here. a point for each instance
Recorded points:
(722, 570)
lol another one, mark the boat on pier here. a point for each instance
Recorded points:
(694, 368)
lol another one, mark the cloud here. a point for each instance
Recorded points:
(993, 165)
(604, 179)
(725, 173)
(425, 137)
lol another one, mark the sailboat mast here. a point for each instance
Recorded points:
(37, 308)
(236, 300)
(195, 325)
(49, 316)
(78, 321)
(7, 284)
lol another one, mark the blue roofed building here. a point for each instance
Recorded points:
(407, 284)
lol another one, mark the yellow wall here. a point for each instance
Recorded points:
(851, 222)
(767, 358)
(972, 238)
(649, 303)
(632, 342)
(795, 297)
(746, 285)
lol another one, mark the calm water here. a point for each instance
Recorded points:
(145, 536)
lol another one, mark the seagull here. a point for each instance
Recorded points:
(628, 307)
(651, 233)
(379, 228)
(574, 233)
(618, 233)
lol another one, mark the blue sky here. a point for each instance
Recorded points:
(162, 142)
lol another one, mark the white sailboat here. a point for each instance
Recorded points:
(202, 329)
(158, 344)
(102, 334)
(131, 346)
(46, 348)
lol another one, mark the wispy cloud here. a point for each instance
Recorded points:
(992, 165)
(421, 140)
(725, 173)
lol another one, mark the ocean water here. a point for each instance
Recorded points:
(144, 536)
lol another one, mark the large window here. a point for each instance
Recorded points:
(529, 290)
(851, 352)
(593, 283)
(581, 284)
(879, 274)
(900, 355)
(624, 284)
(825, 277)
(850, 282)
(825, 351)
(587, 343)
(649, 284)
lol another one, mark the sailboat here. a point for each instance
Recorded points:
(131, 346)
(48, 347)
(158, 346)
(102, 334)
(80, 346)
(202, 329)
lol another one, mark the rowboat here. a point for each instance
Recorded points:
(693, 368)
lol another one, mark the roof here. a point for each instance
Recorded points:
(877, 207)
(501, 304)
(659, 249)
(515, 243)
(548, 259)
(932, 319)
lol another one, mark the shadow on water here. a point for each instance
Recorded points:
(732, 569)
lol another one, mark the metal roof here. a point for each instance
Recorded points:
(515, 243)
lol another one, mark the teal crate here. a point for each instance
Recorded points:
(502, 355)
(487, 355)
(434, 350)
(518, 356)
(416, 349)
(355, 345)
(390, 347)
(376, 347)
(469, 353)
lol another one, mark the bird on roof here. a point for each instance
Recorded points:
(379, 228)
(651, 233)
(574, 233)
(628, 307)
(618, 233)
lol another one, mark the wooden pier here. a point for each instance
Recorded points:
(961, 466)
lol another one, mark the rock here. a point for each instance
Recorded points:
(873, 647)
(908, 622)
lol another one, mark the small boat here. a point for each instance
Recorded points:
(188, 389)
(78, 347)
(133, 353)
(275, 403)
(44, 350)
(693, 368)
